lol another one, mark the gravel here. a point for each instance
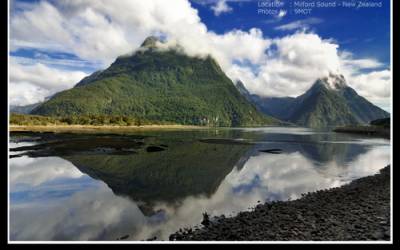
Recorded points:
(358, 211)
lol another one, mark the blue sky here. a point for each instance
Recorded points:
(56, 43)
(365, 32)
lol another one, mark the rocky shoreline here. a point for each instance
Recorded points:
(358, 211)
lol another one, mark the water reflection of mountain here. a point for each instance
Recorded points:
(185, 168)
(320, 148)
(189, 165)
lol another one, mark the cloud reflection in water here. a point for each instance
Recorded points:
(91, 211)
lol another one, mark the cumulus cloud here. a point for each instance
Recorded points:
(294, 62)
(98, 32)
(221, 7)
(25, 93)
(348, 61)
(292, 65)
(31, 83)
(368, 77)
(375, 86)
(377, 81)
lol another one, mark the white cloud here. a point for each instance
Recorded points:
(347, 60)
(294, 62)
(221, 7)
(60, 63)
(300, 24)
(375, 86)
(43, 23)
(234, 45)
(292, 65)
(24, 93)
(377, 81)
(85, 215)
(98, 32)
(35, 172)
(33, 82)
(97, 210)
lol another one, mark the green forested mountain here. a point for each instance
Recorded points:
(160, 85)
(321, 107)
(329, 102)
(384, 122)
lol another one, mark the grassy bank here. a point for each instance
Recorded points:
(83, 128)
(83, 120)
(37, 123)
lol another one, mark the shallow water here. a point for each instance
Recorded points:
(80, 196)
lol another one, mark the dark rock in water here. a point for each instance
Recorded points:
(271, 151)
(226, 141)
(164, 145)
(67, 144)
(154, 149)
(206, 220)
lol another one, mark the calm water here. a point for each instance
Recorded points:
(81, 196)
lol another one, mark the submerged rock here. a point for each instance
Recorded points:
(154, 149)
(271, 151)
(206, 220)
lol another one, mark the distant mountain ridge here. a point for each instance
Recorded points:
(329, 102)
(160, 85)
(23, 109)
(27, 109)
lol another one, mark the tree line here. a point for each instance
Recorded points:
(119, 120)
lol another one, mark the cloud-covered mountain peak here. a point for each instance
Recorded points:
(150, 42)
(333, 81)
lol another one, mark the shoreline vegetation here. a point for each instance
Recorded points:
(38, 123)
(83, 120)
(82, 123)
(60, 128)
(356, 211)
